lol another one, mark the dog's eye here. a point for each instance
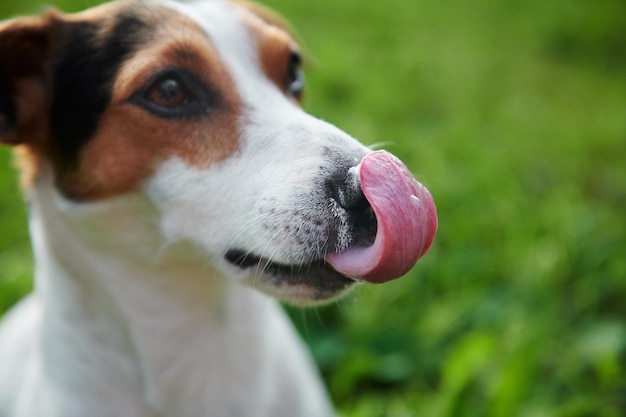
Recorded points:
(295, 76)
(168, 92)
(177, 93)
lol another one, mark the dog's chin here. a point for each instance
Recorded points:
(306, 284)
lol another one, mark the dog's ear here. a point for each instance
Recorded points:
(24, 46)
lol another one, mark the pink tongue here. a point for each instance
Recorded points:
(406, 216)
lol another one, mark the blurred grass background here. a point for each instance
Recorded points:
(513, 113)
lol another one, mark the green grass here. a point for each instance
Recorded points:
(514, 115)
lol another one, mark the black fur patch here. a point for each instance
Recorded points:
(83, 76)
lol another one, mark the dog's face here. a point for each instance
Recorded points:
(196, 105)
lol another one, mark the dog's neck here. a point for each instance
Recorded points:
(147, 318)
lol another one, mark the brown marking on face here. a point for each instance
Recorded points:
(275, 39)
(129, 141)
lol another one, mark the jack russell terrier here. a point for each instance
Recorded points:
(173, 183)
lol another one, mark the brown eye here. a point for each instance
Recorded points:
(168, 93)
(177, 93)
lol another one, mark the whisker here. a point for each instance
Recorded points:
(379, 145)
(268, 258)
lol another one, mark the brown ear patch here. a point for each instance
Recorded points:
(270, 17)
(276, 41)
(24, 45)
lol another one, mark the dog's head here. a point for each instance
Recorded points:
(196, 106)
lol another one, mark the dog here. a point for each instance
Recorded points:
(176, 189)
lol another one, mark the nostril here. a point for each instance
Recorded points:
(346, 191)
(364, 226)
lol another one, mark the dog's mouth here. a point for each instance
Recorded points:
(390, 231)
(313, 281)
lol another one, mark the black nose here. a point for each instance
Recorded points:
(344, 187)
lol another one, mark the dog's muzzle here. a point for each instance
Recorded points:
(387, 222)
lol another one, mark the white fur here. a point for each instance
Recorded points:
(137, 314)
